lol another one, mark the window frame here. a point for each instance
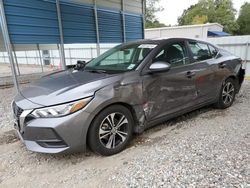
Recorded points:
(217, 50)
(167, 45)
(202, 42)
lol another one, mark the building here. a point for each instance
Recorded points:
(202, 31)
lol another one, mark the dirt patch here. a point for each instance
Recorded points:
(8, 137)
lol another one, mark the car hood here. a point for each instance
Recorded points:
(66, 86)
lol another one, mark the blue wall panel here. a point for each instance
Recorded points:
(31, 21)
(35, 21)
(78, 23)
(110, 26)
(134, 27)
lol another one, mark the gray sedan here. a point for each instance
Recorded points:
(126, 90)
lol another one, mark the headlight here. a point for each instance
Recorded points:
(61, 110)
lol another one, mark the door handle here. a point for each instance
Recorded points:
(190, 74)
(222, 65)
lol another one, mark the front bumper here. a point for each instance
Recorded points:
(54, 135)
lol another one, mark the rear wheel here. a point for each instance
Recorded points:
(227, 94)
(111, 130)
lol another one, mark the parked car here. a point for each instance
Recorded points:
(125, 90)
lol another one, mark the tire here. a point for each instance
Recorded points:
(227, 94)
(106, 136)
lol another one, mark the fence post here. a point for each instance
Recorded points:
(91, 53)
(52, 57)
(246, 55)
(40, 56)
(27, 62)
(70, 57)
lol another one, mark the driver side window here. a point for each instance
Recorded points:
(174, 54)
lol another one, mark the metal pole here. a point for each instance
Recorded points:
(70, 57)
(7, 44)
(53, 60)
(97, 30)
(61, 46)
(40, 56)
(246, 55)
(123, 22)
(91, 53)
(14, 52)
(143, 17)
(27, 62)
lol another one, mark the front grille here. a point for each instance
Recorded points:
(17, 110)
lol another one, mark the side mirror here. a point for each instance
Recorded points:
(80, 65)
(159, 66)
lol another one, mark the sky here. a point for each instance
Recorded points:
(174, 8)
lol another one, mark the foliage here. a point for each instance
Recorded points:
(244, 20)
(200, 19)
(150, 18)
(211, 11)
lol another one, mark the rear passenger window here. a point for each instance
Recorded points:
(200, 51)
(213, 50)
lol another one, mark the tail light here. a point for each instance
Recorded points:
(243, 63)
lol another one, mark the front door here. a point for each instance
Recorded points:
(173, 90)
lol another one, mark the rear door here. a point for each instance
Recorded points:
(173, 90)
(203, 61)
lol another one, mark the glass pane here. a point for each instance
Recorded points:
(175, 54)
(200, 51)
(121, 58)
(213, 51)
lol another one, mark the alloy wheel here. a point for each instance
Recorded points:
(228, 93)
(113, 130)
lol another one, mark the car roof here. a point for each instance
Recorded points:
(163, 40)
(160, 40)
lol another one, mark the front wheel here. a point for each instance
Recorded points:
(111, 130)
(227, 94)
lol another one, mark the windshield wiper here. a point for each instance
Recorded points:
(97, 71)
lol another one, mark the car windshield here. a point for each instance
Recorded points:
(120, 58)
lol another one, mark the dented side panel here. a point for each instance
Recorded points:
(127, 91)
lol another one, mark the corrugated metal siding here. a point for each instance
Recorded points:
(131, 6)
(110, 4)
(78, 23)
(134, 27)
(32, 21)
(35, 21)
(110, 26)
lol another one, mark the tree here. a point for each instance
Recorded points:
(244, 20)
(150, 18)
(210, 11)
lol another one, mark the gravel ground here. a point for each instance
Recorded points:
(205, 148)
